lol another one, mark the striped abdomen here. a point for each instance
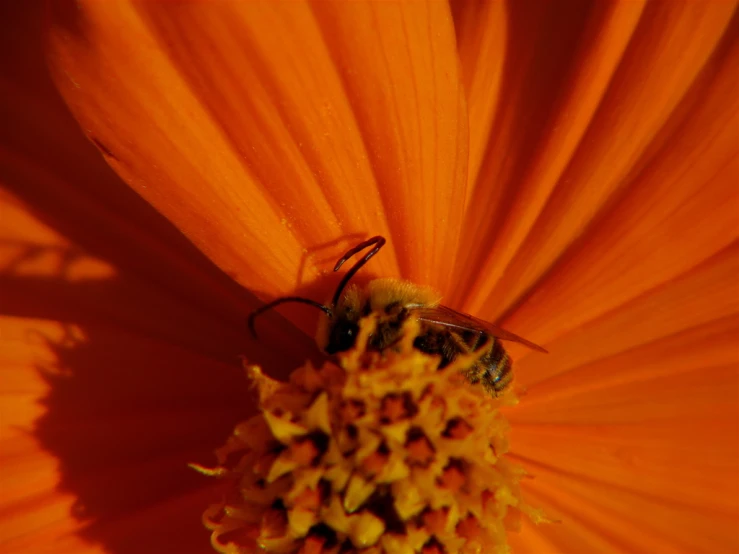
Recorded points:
(492, 370)
(495, 367)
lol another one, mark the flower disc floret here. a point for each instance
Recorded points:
(382, 452)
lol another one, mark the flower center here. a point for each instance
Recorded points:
(384, 452)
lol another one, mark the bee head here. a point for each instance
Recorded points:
(338, 330)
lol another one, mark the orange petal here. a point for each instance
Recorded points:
(664, 75)
(706, 294)
(120, 353)
(574, 536)
(405, 89)
(688, 462)
(633, 443)
(553, 87)
(29, 475)
(255, 163)
(482, 31)
(678, 211)
(84, 440)
(601, 519)
(631, 514)
(531, 539)
(96, 426)
(45, 274)
(96, 423)
(691, 365)
(165, 287)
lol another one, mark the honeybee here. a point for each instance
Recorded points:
(444, 332)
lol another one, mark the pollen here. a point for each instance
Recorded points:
(376, 453)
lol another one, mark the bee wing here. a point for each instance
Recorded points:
(447, 317)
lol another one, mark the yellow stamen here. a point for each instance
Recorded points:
(380, 453)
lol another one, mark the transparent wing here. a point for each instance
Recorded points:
(447, 317)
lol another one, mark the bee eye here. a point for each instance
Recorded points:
(342, 337)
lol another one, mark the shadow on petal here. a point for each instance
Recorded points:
(140, 386)
(145, 374)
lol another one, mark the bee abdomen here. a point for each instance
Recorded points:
(496, 372)
(492, 370)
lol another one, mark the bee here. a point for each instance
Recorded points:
(445, 332)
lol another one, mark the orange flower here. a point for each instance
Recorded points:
(574, 177)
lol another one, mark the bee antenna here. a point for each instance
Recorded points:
(378, 241)
(259, 311)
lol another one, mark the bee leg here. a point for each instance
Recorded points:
(477, 371)
(461, 344)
